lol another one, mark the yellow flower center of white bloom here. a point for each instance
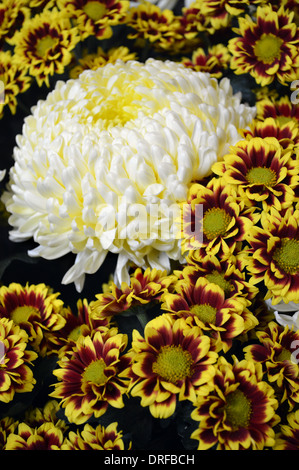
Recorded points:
(44, 44)
(287, 255)
(268, 48)
(260, 175)
(94, 372)
(205, 312)
(23, 313)
(215, 222)
(173, 364)
(237, 409)
(95, 10)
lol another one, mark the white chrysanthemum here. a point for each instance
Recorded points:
(124, 137)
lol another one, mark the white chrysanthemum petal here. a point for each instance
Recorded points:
(102, 150)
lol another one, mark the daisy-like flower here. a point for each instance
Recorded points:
(279, 108)
(221, 11)
(77, 324)
(16, 375)
(7, 426)
(287, 134)
(44, 44)
(236, 410)
(151, 23)
(13, 79)
(169, 363)
(45, 437)
(36, 309)
(261, 171)
(35, 417)
(91, 378)
(205, 305)
(105, 160)
(95, 17)
(266, 48)
(13, 13)
(272, 258)
(99, 438)
(101, 58)
(222, 224)
(215, 61)
(144, 287)
(277, 351)
(288, 436)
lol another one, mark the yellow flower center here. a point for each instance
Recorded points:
(173, 364)
(218, 278)
(260, 175)
(237, 409)
(215, 222)
(206, 313)
(23, 313)
(284, 355)
(267, 48)
(94, 372)
(44, 44)
(287, 255)
(94, 10)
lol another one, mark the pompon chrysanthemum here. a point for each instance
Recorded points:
(261, 171)
(169, 363)
(36, 309)
(267, 47)
(16, 375)
(277, 351)
(95, 438)
(272, 258)
(90, 379)
(103, 153)
(236, 410)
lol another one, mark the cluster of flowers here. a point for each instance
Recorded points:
(201, 344)
(40, 39)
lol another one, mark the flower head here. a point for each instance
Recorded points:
(90, 379)
(236, 410)
(204, 303)
(267, 47)
(288, 436)
(215, 61)
(95, 17)
(16, 375)
(261, 172)
(169, 363)
(105, 159)
(272, 257)
(95, 438)
(44, 437)
(36, 309)
(276, 351)
(44, 44)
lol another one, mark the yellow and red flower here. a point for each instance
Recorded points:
(288, 436)
(37, 310)
(221, 225)
(95, 17)
(7, 426)
(214, 61)
(266, 48)
(272, 256)
(204, 304)
(281, 109)
(91, 378)
(261, 171)
(277, 351)
(236, 410)
(169, 363)
(98, 438)
(45, 437)
(44, 44)
(16, 375)
(145, 286)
